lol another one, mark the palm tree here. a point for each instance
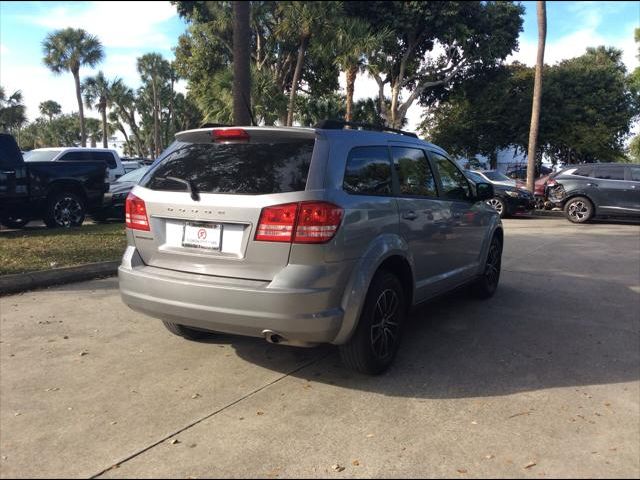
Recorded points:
(154, 70)
(12, 111)
(97, 94)
(50, 108)
(537, 95)
(355, 41)
(66, 51)
(124, 101)
(303, 20)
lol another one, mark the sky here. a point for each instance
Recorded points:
(130, 29)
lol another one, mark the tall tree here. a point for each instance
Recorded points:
(434, 44)
(541, 8)
(66, 51)
(304, 20)
(355, 41)
(98, 94)
(241, 63)
(124, 101)
(154, 70)
(50, 108)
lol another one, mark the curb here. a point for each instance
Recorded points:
(21, 282)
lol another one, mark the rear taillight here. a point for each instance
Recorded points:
(304, 222)
(317, 222)
(551, 182)
(136, 213)
(277, 222)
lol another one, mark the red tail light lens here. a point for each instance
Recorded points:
(136, 213)
(276, 223)
(304, 222)
(230, 135)
(318, 222)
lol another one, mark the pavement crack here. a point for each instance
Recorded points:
(212, 414)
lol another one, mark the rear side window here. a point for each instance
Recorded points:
(609, 173)
(635, 173)
(414, 172)
(585, 171)
(368, 171)
(105, 157)
(249, 169)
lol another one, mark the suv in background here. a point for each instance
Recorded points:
(304, 236)
(596, 190)
(73, 154)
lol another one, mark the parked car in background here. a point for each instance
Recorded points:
(130, 166)
(596, 190)
(519, 172)
(60, 193)
(509, 198)
(119, 190)
(248, 231)
(74, 154)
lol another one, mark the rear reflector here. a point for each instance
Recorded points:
(136, 213)
(304, 222)
(230, 135)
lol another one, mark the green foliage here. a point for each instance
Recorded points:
(587, 108)
(69, 49)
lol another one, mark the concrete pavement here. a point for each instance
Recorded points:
(543, 380)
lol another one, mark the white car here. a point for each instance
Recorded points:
(69, 154)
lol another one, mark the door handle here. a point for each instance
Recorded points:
(592, 184)
(8, 172)
(410, 215)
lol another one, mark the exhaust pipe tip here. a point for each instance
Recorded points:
(272, 337)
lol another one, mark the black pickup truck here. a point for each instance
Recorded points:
(60, 193)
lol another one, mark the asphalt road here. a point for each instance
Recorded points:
(543, 380)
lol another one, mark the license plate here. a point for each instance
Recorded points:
(202, 235)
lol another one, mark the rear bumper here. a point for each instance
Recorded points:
(520, 204)
(236, 306)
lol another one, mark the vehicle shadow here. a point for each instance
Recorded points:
(526, 338)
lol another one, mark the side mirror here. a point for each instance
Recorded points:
(484, 191)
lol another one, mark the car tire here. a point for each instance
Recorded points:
(64, 210)
(374, 344)
(578, 210)
(499, 206)
(185, 332)
(14, 222)
(487, 284)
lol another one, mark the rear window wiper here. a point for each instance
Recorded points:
(190, 186)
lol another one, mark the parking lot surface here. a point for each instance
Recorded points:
(543, 380)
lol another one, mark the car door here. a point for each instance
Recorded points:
(466, 218)
(423, 217)
(13, 172)
(608, 188)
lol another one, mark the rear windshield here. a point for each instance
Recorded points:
(250, 169)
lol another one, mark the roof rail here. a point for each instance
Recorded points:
(340, 124)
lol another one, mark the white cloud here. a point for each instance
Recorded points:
(3, 49)
(116, 24)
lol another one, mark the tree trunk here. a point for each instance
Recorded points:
(304, 41)
(83, 133)
(241, 64)
(351, 74)
(537, 95)
(104, 126)
(493, 160)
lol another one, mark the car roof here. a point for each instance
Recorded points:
(62, 149)
(310, 132)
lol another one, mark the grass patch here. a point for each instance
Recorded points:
(27, 251)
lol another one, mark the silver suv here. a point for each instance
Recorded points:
(305, 236)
